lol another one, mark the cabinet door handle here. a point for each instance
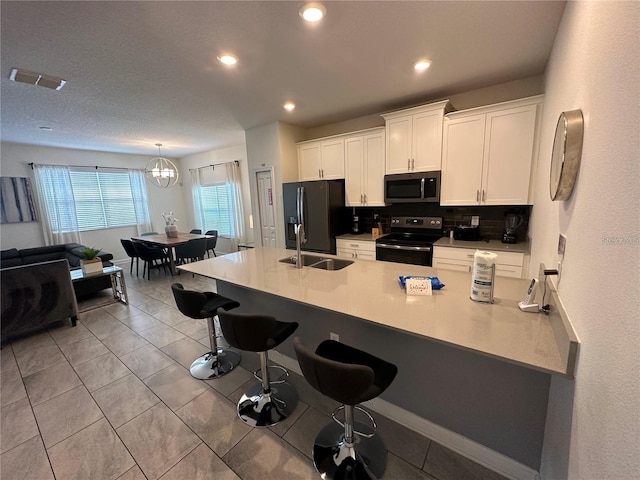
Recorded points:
(477, 195)
(470, 255)
(483, 194)
(413, 162)
(408, 164)
(319, 174)
(365, 198)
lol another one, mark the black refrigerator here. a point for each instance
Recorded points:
(320, 206)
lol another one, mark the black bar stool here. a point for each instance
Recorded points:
(349, 376)
(217, 361)
(269, 402)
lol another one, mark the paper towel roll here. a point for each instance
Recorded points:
(483, 277)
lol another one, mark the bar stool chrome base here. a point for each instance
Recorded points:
(258, 408)
(210, 366)
(365, 459)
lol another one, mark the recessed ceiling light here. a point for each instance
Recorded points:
(313, 12)
(422, 65)
(228, 59)
(289, 106)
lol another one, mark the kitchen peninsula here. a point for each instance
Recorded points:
(480, 370)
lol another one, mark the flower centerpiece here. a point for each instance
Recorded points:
(91, 264)
(170, 227)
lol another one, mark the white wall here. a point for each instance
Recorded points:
(14, 160)
(272, 146)
(211, 157)
(593, 426)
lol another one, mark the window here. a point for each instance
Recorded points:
(103, 199)
(216, 208)
(76, 199)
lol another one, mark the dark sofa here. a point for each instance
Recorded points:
(34, 296)
(71, 252)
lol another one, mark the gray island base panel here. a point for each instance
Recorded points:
(491, 387)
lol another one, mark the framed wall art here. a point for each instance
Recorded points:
(16, 200)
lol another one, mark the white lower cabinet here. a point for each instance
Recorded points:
(508, 264)
(356, 249)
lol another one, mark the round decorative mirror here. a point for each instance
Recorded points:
(567, 150)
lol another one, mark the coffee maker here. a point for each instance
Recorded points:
(511, 223)
(355, 225)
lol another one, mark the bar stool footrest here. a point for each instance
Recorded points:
(360, 409)
(257, 374)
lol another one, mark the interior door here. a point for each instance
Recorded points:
(266, 212)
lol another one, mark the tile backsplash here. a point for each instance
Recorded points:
(491, 218)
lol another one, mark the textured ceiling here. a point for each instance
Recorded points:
(145, 72)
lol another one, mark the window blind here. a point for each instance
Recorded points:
(103, 199)
(215, 202)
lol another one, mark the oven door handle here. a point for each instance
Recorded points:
(403, 247)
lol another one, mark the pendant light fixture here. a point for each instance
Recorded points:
(161, 172)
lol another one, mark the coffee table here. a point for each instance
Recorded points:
(118, 285)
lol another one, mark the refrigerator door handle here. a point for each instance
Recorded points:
(301, 214)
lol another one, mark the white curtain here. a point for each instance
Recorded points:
(140, 200)
(196, 184)
(57, 205)
(234, 188)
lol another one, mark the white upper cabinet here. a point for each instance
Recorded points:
(414, 138)
(488, 154)
(364, 169)
(321, 159)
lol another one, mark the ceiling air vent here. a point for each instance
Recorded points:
(34, 78)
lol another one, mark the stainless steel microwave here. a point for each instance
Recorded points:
(412, 187)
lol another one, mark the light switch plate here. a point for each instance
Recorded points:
(562, 244)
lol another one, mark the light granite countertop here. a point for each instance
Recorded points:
(364, 237)
(495, 245)
(372, 292)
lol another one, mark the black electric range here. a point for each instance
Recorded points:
(410, 240)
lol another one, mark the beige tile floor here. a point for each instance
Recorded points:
(112, 398)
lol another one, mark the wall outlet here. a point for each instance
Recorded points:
(562, 244)
(475, 220)
(334, 336)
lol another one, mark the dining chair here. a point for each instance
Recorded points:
(191, 251)
(196, 231)
(150, 256)
(148, 233)
(211, 242)
(131, 252)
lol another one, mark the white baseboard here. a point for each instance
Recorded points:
(466, 447)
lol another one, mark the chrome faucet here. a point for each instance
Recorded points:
(300, 239)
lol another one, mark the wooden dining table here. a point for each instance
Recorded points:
(170, 243)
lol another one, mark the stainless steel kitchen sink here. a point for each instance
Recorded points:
(316, 261)
(306, 259)
(331, 264)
